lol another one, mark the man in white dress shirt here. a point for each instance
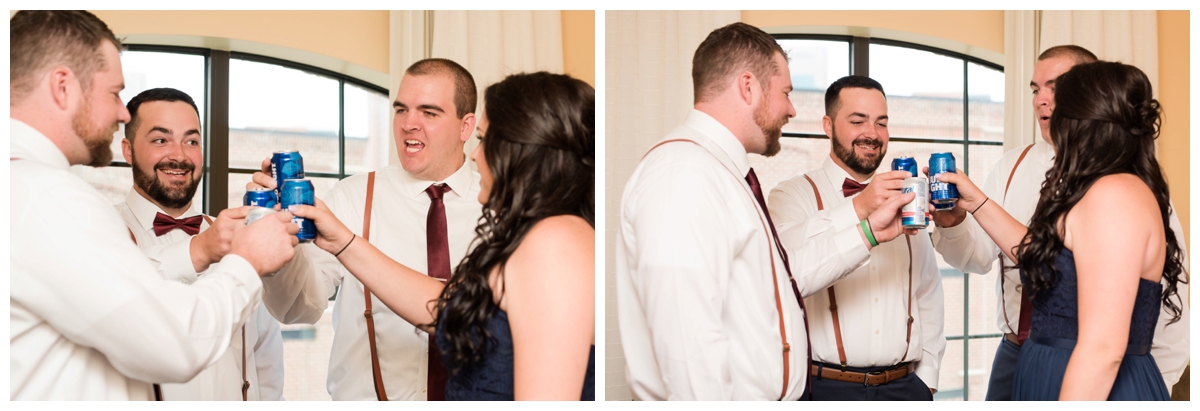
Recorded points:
(90, 318)
(434, 117)
(877, 333)
(1017, 188)
(163, 145)
(705, 303)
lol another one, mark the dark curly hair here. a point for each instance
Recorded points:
(1105, 122)
(540, 148)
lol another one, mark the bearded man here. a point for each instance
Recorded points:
(877, 331)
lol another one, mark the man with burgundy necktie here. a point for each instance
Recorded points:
(421, 213)
(706, 299)
(877, 331)
(163, 145)
(1015, 183)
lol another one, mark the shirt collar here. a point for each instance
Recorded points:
(460, 182)
(837, 175)
(145, 211)
(721, 136)
(29, 143)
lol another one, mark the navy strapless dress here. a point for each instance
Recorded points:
(1055, 328)
(492, 378)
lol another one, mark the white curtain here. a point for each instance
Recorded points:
(1130, 37)
(648, 92)
(1020, 54)
(489, 44)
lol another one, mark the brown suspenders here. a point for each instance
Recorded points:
(837, 329)
(380, 392)
(1003, 305)
(787, 348)
(245, 382)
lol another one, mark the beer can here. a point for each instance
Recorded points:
(905, 163)
(915, 213)
(260, 197)
(286, 165)
(299, 191)
(257, 213)
(942, 194)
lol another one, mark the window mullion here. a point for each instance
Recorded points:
(216, 191)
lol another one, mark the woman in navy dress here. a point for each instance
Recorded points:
(1097, 257)
(517, 318)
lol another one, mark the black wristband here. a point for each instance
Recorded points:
(985, 200)
(347, 246)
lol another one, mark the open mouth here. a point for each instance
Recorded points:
(868, 147)
(176, 174)
(413, 146)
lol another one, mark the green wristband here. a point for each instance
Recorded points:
(867, 232)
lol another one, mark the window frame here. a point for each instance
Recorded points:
(859, 56)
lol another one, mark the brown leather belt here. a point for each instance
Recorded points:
(865, 378)
(1012, 338)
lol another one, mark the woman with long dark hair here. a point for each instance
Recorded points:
(1097, 257)
(517, 318)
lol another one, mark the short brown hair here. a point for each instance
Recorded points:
(464, 85)
(42, 39)
(729, 50)
(1079, 54)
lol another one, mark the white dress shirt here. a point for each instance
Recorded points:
(695, 298)
(968, 248)
(398, 230)
(90, 318)
(171, 254)
(872, 299)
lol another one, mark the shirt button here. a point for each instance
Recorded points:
(876, 299)
(185, 281)
(876, 332)
(422, 390)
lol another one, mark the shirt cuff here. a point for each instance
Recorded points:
(953, 233)
(843, 215)
(850, 247)
(928, 374)
(177, 262)
(241, 269)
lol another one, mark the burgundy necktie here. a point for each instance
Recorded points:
(1026, 314)
(438, 251)
(758, 195)
(164, 224)
(851, 187)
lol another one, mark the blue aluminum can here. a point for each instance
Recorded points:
(286, 165)
(260, 197)
(915, 213)
(943, 195)
(905, 163)
(297, 191)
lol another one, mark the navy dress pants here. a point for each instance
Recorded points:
(907, 388)
(1000, 385)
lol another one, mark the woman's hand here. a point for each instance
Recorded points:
(969, 195)
(332, 235)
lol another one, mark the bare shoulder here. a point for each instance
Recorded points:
(1116, 203)
(563, 240)
(555, 265)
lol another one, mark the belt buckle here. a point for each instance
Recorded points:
(867, 378)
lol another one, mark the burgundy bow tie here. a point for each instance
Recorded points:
(164, 224)
(851, 187)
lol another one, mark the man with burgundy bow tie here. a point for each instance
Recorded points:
(421, 212)
(163, 145)
(707, 298)
(876, 333)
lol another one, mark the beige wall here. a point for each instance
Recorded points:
(359, 37)
(982, 28)
(579, 44)
(1174, 83)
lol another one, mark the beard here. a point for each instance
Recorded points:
(96, 137)
(167, 196)
(860, 165)
(772, 131)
